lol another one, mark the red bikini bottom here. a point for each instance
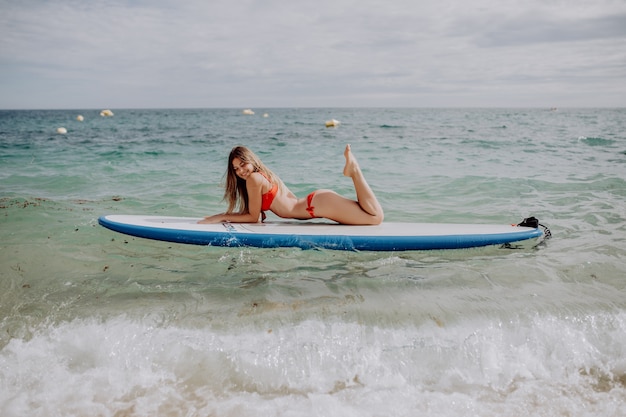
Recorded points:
(309, 207)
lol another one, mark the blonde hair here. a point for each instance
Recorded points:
(235, 191)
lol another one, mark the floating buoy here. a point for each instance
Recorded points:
(248, 111)
(61, 130)
(106, 113)
(266, 115)
(80, 118)
(332, 123)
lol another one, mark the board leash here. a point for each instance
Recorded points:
(534, 222)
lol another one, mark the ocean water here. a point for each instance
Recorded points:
(94, 323)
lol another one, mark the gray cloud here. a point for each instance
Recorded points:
(196, 53)
(533, 29)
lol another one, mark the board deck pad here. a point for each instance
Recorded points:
(387, 236)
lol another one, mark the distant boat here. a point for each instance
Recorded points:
(106, 113)
(248, 111)
(332, 123)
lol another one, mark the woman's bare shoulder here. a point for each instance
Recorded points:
(257, 177)
(256, 180)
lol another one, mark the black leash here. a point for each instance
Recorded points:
(534, 223)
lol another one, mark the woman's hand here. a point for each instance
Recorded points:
(234, 218)
(216, 218)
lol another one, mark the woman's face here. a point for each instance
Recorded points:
(242, 169)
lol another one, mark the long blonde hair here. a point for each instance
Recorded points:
(235, 191)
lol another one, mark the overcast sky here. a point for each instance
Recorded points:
(77, 54)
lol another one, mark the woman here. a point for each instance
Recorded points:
(252, 188)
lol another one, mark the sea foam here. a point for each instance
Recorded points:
(139, 367)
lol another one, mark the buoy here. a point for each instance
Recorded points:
(332, 123)
(106, 113)
(61, 130)
(266, 115)
(80, 118)
(248, 111)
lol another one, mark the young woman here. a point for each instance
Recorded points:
(252, 189)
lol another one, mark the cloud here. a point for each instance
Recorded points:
(532, 30)
(221, 53)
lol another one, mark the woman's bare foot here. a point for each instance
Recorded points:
(352, 166)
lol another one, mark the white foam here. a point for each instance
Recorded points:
(318, 367)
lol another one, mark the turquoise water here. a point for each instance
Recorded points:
(94, 323)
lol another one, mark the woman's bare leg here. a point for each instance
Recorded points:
(364, 194)
(365, 211)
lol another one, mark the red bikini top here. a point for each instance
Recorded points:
(267, 198)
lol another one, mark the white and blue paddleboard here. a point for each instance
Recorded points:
(307, 235)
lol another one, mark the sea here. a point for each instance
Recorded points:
(96, 323)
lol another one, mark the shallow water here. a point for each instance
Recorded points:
(97, 323)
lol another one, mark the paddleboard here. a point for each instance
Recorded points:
(311, 234)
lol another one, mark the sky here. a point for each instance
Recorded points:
(77, 54)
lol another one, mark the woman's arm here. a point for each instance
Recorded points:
(229, 217)
(254, 188)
